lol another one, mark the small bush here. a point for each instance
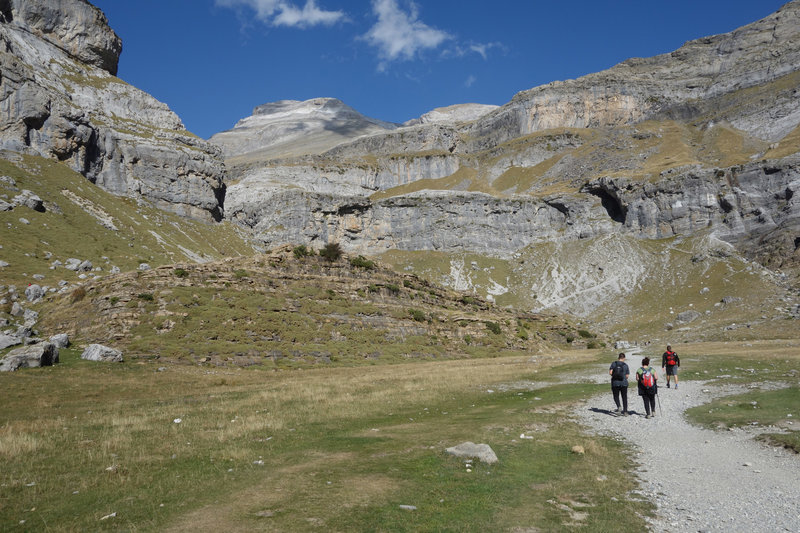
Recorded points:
(585, 334)
(494, 327)
(593, 345)
(113, 300)
(570, 338)
(394, 289)
(146, 296)
(468, 339)
(240, 274)
(417, 315)
(181, 273)
(407, 284)
(373, 288)
(332, 251)
(78, 295)
(362, 262)
(469, 300)
(302, 251)
(523, 334)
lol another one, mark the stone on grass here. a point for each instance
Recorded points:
(688, 316)
(35, 355)
(482, 452)
(7, 341)
(578, 450)
(98, 352)
(29, 199)
(16, 309)
(60, 341)
(34, 293)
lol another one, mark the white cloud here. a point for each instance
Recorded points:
(400, 34)
(284, 13)
(470, 81)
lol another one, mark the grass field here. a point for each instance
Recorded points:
(321, 449)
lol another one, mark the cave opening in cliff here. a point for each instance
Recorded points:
(616, 211)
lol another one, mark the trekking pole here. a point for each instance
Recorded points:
(659, 405)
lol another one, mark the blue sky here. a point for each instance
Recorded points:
(213, 61)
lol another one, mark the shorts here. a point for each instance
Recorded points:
(672, 370)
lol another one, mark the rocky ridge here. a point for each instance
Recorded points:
(60, 100)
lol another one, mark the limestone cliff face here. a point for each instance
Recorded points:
(638, 89)
(59, 99)
(703, 138)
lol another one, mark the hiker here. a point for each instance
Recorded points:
(670, 363)
(619, 373)
(647, 379)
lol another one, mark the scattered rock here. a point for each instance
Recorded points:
(60, 340)
(98, 352)
(144, 266)
(29, 199)
(408, 507)
(7, 341)
(17, 310)
(482, 452)
(578, 450)
(43, 354)
(688, 316)
(34, 293)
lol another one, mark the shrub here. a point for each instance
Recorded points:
(113, 300)
(362, 262)
(494, 327)
(570, 338)
(181, 273)
(585, 334)
(373, 288)
(78, 295)
(394, 289)
(332, 251)
(146, 296)
(417, 315)
(468, 339)
(469, 300)
(302, 251)
(407, 284)
(593, 345)
(523, 334)
(239, 274)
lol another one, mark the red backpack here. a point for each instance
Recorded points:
(671, 358)
(647, 380)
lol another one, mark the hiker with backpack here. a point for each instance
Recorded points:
(670, 362)
(647, 379)
(619, 373)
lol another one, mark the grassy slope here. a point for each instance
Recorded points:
(281, 310)
(66, 230)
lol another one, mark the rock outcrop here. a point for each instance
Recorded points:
(33, 356)
(59, 99)
(703, 137)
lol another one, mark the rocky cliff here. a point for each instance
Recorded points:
(657, 147)
(59, 99)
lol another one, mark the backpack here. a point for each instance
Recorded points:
(671, 358)
(618, 372)
(647, 380)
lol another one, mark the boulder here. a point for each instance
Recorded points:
(60, 340)
(29, 199)
(36, 355)
(16, 309)
(34, 293)
(482, 452)
(98, 352)
(688, 316)
(7, 341)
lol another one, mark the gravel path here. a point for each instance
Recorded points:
(702, 480)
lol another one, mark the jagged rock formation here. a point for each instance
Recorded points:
(59, 99)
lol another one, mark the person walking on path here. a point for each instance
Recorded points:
(647, 379)
(619, 373)
(670, 362)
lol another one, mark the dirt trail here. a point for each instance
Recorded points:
(702, 480)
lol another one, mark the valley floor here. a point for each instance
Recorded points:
(700, 479)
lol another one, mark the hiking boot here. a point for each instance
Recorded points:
(668, 385)
(676, 386)
(616, 410)
(647, 416)
(625, 413)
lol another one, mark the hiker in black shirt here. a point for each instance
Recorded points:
(670, 363)
(619, 373)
